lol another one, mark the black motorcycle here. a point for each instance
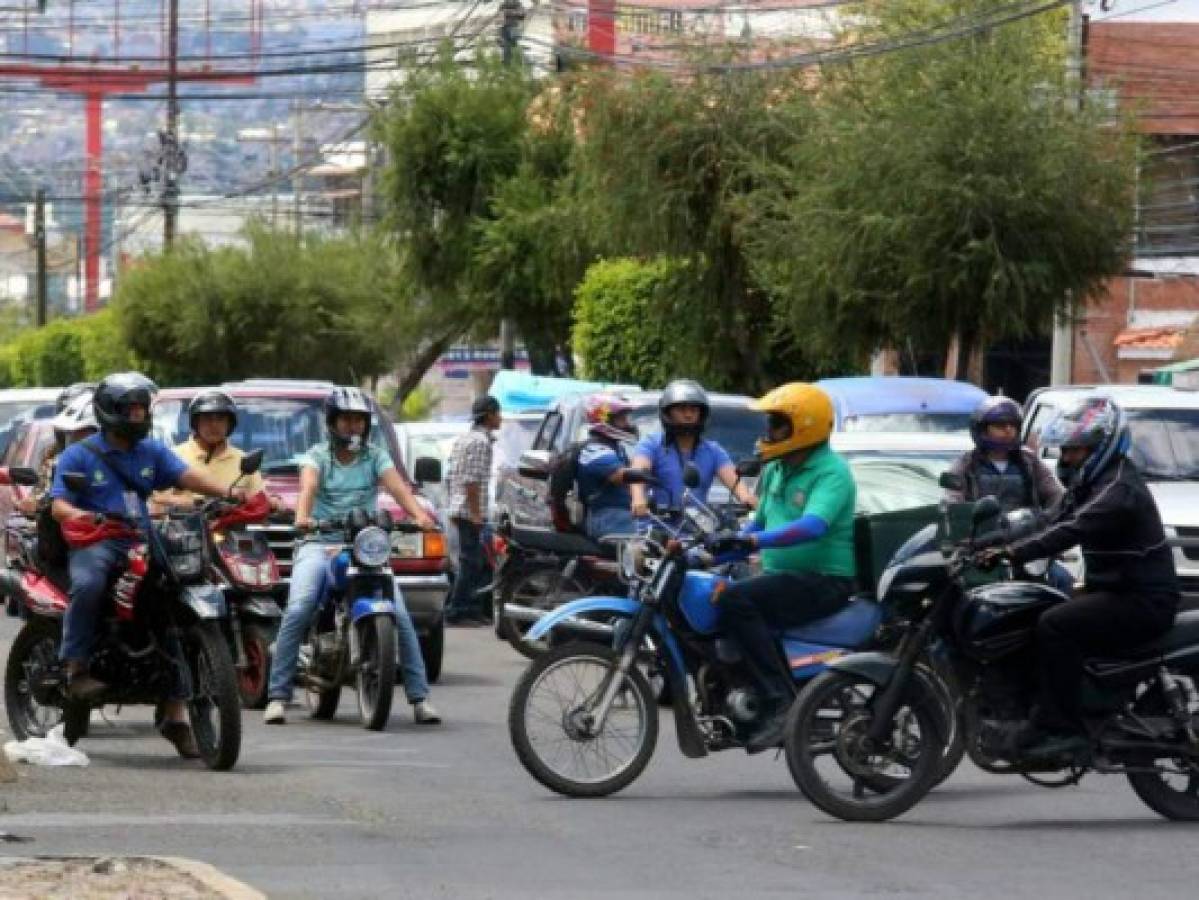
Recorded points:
(877, 713)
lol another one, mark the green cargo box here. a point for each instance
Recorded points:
(878, 536)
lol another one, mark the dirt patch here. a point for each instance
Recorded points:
(105, 878)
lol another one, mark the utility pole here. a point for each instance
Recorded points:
(170, 193)
(39, 237)
(1061, 354)
(513, 16)
(297, 177)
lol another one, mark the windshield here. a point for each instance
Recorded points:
(32, 409)
(284, 428)
(1165, 442)
(436, 446)
(892, 481)
(735, 428)
(944, 423)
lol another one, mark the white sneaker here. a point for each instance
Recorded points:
(275, 714)
(424, 713)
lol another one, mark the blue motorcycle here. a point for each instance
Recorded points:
(352, 639)
(583, 719)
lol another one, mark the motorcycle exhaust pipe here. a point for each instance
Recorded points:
(519, 613)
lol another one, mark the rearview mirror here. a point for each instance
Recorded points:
(427, 470)
(19, 475)
(76, 481)
(251, 462)
(951, 481)
(691, 475)
(534, 464)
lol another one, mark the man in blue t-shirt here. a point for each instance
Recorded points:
(602, 466)
(120, 467)
(336, 479)
(683, 410)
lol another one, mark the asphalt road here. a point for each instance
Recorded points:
(330, 810)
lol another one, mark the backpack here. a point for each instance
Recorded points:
(566, 509)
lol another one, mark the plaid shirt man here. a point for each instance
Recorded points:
(470, 463)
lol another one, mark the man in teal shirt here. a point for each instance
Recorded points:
(804, 531)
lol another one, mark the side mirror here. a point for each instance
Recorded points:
(986, 508)
(691, 475)
(534, 464)
(23, 476)
(76, 481)
(749, 468)
(951, 481)
(251, 462)
(427, 470)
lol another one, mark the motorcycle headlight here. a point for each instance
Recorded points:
(372, 547)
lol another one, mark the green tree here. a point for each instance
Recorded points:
(947, 190)
(317, 308)
(66, 350)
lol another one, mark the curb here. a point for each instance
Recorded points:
(207, 875)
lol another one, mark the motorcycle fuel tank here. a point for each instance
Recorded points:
(997, 619)
(698, 598)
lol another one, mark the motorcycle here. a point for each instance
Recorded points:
(160, 596)
(352, 640)
(582, 718)
(873, 712)
(241, 562)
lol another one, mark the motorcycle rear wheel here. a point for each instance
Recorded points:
(376, 675)
(541, 587)
(33, 651)
(831, 767)
(215, 706)
(1172, 796)
(581, 669)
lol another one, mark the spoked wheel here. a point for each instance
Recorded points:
(376, 675)
(541, 588)
(215, 706)
(253, 680)
(833, 763)
(32, 658)
(1172, 790)
(554, 731)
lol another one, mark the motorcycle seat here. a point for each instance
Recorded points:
(849, 627)
(560, 543)
(1185, 633)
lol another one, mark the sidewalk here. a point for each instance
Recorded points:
(117, 878)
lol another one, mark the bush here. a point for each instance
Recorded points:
(65, 351)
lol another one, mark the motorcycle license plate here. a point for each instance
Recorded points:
(408, 546)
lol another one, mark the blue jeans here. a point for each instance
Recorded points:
(91, 568)
(309, 581)
(472, 572)
(1059, 577)
(610, 520)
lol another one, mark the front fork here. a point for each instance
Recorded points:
(627, 646)
(889, 700)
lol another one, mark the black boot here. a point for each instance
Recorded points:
(770, 733)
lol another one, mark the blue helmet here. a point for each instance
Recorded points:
(1095, 423)
(993, 411)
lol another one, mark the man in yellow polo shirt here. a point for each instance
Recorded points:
(212, 416)
(804, 530)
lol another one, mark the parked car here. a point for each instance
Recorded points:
(21, 405)
(1164, 422)
(902, 403)
(434, 440)
(286, 418)
(898, 470)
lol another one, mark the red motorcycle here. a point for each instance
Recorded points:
(161, 593)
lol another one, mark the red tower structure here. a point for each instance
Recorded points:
(94, 77)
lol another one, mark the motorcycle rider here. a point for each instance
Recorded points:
(1131, 592)
(683, 410)
(212, 417)
(74, 422)
(603, 463)
(335, 479)
(804, 528)
(1000, 467)
(121, 466)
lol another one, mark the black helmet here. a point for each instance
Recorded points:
(994, 411)
(347, 400)
(212, 402)
(683, 392)
(67, 394)
(112, 399)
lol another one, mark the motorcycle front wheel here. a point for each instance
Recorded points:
(215, 705)
(553, 731)
(376, 675)
(254, 679)
(833, 764)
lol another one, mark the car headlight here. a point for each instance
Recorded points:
(372, 547)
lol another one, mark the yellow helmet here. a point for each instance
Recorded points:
(806, 407)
